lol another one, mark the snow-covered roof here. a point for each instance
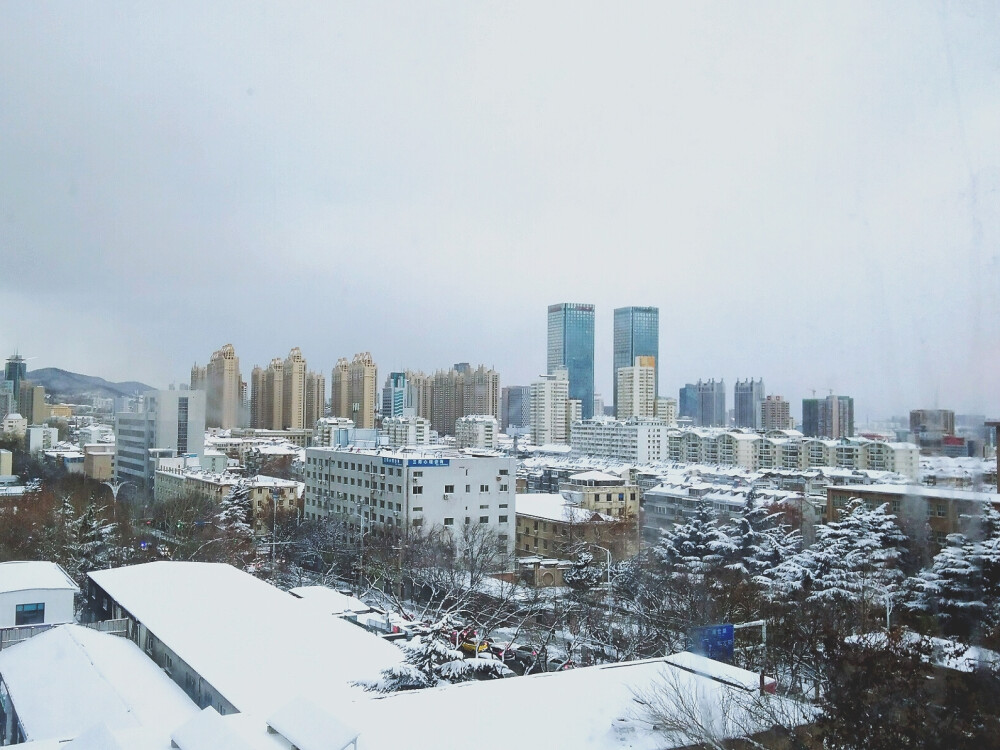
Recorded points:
(594, 476)
(554, 507)
(309, 727)
(215, 617)
(70, 678)
(26, 575)
(591, 708)
(918, 490)
(718, 670)
(329, 600)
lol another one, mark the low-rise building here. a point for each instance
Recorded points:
(943, 510)
(14, 425)
(35, 593)
(603, 493)
(550, 525)
(235, 642)
(99, 461)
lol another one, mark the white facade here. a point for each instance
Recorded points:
(403, 431)
(41, 438)
(325, 430)
(35, 593)
(549, 395)
(477, 431)
(635, 440)
(396, 491)
(637, 389)
(666, 409)
(172, 423)
(97, 433)
(14, 424)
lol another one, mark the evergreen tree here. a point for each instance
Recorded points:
(761, 540)
(235, 526)
(695, 546)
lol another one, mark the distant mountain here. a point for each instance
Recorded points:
(63, 385)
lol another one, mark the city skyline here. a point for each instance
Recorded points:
(661, 157)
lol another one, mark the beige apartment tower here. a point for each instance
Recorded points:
(293, 392)
(353, 389)
(315, 398)
(637, 389)
(225, 390)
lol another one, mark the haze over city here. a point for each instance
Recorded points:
(808, 194)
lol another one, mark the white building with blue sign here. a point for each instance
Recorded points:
(390, 491)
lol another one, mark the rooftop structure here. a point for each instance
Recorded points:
(244, 644)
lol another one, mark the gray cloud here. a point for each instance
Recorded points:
(808, 193)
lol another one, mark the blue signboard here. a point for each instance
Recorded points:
(713, 641)
(416, 462)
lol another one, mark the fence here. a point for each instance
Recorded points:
(14, 635)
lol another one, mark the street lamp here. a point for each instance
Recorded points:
(115, 488)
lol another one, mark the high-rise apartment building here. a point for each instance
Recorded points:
(636, 334)
(775, 414)
(830, 417)
(315, 398)
(481, 392)
(477, 431)
(225, 391)
(354, 390)
(711, 403)
(340, 389)
(635, 389)
(932, 420)
(748, 395)
(293, 392)
(549, 396)
(420, 394)
(267, 395)
(170, 424)
(515, 408)
(571, 345)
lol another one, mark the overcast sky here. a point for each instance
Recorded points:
(808, 191)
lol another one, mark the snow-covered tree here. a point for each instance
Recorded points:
(961, 589)
(695, 546)
(234, 522)
(852, 563)
(760, 540)
(431, 660)
(91, 540)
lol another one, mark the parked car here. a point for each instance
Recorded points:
(468, 641)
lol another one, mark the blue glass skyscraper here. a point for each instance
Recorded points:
(637, 334)
(571, 345)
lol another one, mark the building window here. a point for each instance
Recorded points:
(449, 489)
(484, 519)
(417, 522)
(29, 614)
(503, 472)
(449, 522)
(484, 488)
(418, 490)
(418, 509)
(418, 473)
(503, 487)
(468, 488)
(503, 519)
